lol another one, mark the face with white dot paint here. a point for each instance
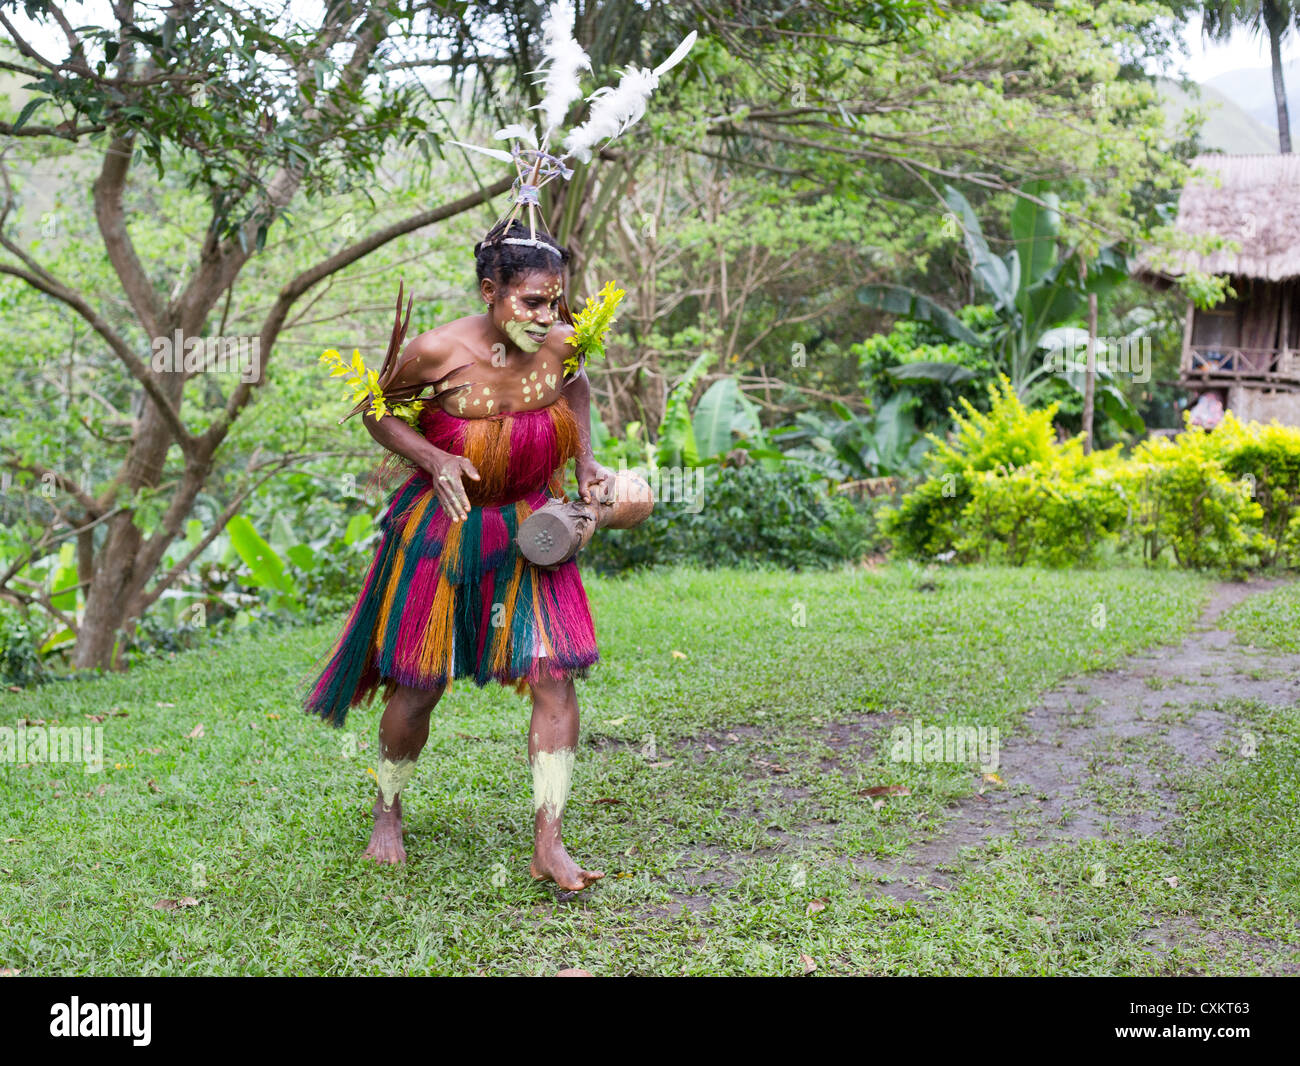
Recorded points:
(526, 308)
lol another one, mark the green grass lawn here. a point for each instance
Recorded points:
(1269, 620)
(710, 722)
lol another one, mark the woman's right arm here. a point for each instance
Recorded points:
(446, 469)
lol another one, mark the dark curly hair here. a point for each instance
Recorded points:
(505, 262)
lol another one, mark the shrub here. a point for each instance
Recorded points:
(20, 660)
(1184, 499)
(1055, 514)
(749, 516)
(1004, 490)
(929, 520)
(1266, 462)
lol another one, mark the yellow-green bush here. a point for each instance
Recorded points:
(1185, 500)
(1003, 489)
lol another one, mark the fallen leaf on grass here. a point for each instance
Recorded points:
(573, 973)
(9, 973)
(153, 785)
(467, 736)
(1172, 882)
(96, 717)
(809, 964)
(816, 905)
(31, 721)
(617, 721)
(274, 717)
(877, 804)
(13, 840)
(732, 737)
(885, 790)
(166, 705)
(175, 904)
(607, 799)
(774, 767)
(993, 779)
(678, 654)
(197, 731)
(121, 714)
(660, 765)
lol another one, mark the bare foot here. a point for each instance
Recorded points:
(552, 863)
(386, 837)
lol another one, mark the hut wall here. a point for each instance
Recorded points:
(1261, 405)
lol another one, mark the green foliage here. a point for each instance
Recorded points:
(747, 516)
(1185, 499)
(676, 445)
(20, 661)
(921, 358)
(1036, 286)
(1005, 490)
(1056, 513)
(845, 445)
(1266, 464)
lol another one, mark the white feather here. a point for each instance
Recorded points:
(679, 53)
(495, 153)
(613, 110)
(563, 60)
(518, 131)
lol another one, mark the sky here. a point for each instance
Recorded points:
(1205, 60)
(1243, 50)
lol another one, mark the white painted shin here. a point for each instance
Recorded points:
(393, 777)
(552, 777)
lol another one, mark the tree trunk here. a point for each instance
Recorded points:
(1090, 375)
(109, 594)
(1279, 92)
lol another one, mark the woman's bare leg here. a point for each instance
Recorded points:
(552, 744)
(403, 730)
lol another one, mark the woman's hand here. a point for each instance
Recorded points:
(448, 472)
(592, 476)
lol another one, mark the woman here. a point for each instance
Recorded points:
(448, 594)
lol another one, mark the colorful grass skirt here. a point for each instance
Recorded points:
(446, 600)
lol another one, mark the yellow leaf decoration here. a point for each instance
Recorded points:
(591, 324)
(365, 382)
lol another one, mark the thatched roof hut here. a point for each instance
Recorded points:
(1245, 350)
(1254, 202)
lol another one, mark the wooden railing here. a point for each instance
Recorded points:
(1230, 363)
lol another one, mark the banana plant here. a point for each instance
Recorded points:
(1036, 286)
(844, 445)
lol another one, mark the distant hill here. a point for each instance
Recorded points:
(1228, 128)
(1251, 89)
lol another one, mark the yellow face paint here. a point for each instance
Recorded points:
(522, 339)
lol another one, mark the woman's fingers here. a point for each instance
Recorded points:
(470, 470)
(449, 494)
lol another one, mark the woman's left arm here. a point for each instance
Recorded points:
(591, 475)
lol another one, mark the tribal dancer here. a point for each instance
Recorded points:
(448, 594)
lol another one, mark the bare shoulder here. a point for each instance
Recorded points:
(432, 355)
(557, 343)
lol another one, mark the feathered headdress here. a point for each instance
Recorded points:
(613, 110)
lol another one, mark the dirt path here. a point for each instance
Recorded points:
(1107, 753)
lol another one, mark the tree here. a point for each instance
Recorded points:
(256, 112)
(1274, 18)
